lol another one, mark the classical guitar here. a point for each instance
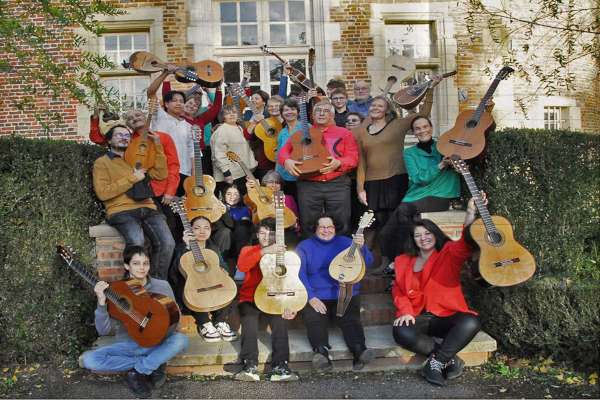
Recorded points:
(267, 129)
(141, 152)
(396, 70)
(296, 75)
(207, 286)
(348, 267)
(199, 188)
(307, 145)
(237, 105)
(107, 120)
(467, 137)
(260, 198)
(410, 97)
(149, 318)
(280, 287)
(205, 73)
(500, 260)
(234, 99)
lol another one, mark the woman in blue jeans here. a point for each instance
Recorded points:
(126, 355)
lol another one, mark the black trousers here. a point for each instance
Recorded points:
(279, 334)
(396, 232)
(317, 323)
(456, 331)
(316, 197)
(217, 316)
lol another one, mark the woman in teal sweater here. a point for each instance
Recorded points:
(433, 184)
(316, 254)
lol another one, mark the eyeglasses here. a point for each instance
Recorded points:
(352, 121)
(338, 98)
(326, 228)
(322, 111)
(270, 182)
(120, 135)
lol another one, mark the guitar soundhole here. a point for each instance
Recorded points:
(348, 258)
(265, 199)
(190, 68)
(142, 147)
(280, 270)
(199, 191)
(471, 124)
(306, 142)
(200, 267)
(495, 238)
(271, 133)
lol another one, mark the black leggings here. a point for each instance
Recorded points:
(456, 331)
(397, 230)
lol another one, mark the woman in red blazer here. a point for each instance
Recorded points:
(429, 299)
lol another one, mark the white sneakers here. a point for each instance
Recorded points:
(210, 333)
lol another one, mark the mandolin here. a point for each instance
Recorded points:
(280, 287)
(107, 120)
(149, 318)
(207, 286)
(205, 73)
(199, 188)
(234, 99)
(296, 75)
(267, 129)
(141, 152)
(410, 97)
(467, 137)
(260, 199)
(396, 70)
(500, 260)
(307, 145)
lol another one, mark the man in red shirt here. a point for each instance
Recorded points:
(330, 191)
(248, 263)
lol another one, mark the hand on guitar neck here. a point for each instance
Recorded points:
(472, 208)
(435, 80)
(99, 289)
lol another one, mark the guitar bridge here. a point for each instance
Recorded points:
(307, 158)
(506, 262)
(461, 143)
(206, 289)
(201, 208)
(273, 294)
(145, 321)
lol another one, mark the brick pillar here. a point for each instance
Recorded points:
(451, 222)
(109, 252)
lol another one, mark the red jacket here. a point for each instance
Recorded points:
(440, 293)
(169, 185)
(248, 262)
(341, 144)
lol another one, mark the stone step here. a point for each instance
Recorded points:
(222, 358)
(376, 309)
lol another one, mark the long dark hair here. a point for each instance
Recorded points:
(411, 249)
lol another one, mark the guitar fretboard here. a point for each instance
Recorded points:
(194, 246)
(304, 120)
(198, 156)
(488, 222)
(279, 234)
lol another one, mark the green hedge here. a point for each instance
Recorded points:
(46, 197)
(547, 184)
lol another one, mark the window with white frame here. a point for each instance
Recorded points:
(553, 118)
(131, 90)
(251, 23)
(120, 46)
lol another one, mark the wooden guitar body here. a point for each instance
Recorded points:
(146, 63)
(468, 137)
(352, 267)
(205, 73)
(277, 291)
(312, 153)
(201, 199)
(502, 262)
(396, 69)
(137, 149)
(408, 98)
(161, 312)
(262, 207)
(269, 137)
(207, 286)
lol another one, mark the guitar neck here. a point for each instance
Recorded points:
(279, 234)
(251, 176)
(92, 280)
(194, 246)
(304, 120)
(490, 92)
(483, 210)
(192, 91)
(354, 246)
(198, 162)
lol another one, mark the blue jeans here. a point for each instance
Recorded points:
(123, 356)
(133, 224)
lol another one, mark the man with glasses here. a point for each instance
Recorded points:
(339, 97)
(362, 98)
(330, 191)
(131, 213)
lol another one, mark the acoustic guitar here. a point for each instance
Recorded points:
(149, 318)
(280, 287)
(410, 97)
(199, 188)
(307, 145)
(237, 104)
(260, 198)
(396, 69)
(234, 99)
(499, 260)
(205, 73)
(141, 152)
(267, 129)
(468, 136)
(297, 76)
(207, 286)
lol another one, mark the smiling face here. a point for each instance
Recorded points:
(339, 101)
(201, 229)
(362, 91)
(325, 229)
(175, 106)
(120, 140)
(265, 236)
(290, 114)
(273, 108)
(232, 196)
(230, 117)
(424, 239)
(378, 109)
(135, 119)
(138, 266)
(257, 101)
(323, 114)
(352, 122)
(423, 130)
(191, 107)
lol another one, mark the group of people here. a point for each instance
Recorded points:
(368, 168)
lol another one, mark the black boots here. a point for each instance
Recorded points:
(137, 383)
(362, 356)
(454, 368)
(434, 371)
(321, 359)
(159, 376)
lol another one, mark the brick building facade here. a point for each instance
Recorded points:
(352, 39)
